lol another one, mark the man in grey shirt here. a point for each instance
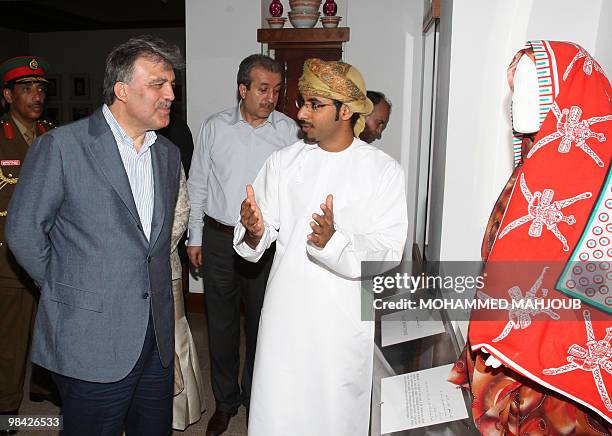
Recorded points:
(231, 148)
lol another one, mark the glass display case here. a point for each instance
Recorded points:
(415, 355)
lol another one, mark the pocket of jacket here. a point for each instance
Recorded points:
(76, 297)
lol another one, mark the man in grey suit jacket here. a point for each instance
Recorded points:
(91, 223)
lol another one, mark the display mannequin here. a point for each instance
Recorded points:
(525, 109)
(546, 372)
(525, 121)
(525, 97)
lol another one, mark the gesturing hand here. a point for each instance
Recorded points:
(323, 226)
(251, 218)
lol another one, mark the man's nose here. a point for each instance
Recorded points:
(38, 94)
(169, 92)
(302, 113)
(270, 95)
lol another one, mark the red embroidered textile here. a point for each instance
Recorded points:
(560, 193)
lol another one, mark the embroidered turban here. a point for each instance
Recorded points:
(338, 81)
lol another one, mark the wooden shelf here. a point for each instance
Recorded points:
(315, 35)
(291, 47)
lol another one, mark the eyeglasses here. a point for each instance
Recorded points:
(309, 105)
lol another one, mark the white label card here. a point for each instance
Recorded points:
(408, 325)
(419, 399)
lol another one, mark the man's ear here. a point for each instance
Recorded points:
(121, 91)
(345, 113)
(8, 95)
(242, 89)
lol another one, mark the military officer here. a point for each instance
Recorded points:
(24, 87)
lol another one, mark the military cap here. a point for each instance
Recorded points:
(24, 69)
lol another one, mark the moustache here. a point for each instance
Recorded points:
(164, 104)
(303, 123)
(267, 106)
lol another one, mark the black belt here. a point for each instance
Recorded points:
(219, 226)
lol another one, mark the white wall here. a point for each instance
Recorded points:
(603, 45)
(379, 49)
(477, 161)
(85, 52)
(219, 35)
(565, 20)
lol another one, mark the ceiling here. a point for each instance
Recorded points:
(65, 15)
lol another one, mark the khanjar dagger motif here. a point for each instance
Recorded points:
(594, 356)
(573, 131)
(524, 307)
(543, 211)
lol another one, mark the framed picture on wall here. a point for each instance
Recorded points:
(79, 111)
(54, 113)
(54, 88)
(79, 86)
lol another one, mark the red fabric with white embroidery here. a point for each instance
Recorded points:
(552, 200)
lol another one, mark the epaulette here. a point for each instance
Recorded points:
(42, 126)
(8, 130)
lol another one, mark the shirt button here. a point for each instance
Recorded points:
(145, 295)
(148, 259)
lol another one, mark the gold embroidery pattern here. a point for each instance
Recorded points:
(333, 75)
(3, 182)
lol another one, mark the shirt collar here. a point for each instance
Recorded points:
(315, 146)
(273, 118)
(23, 129)
(150, 135)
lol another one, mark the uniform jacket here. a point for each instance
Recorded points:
(13, 149)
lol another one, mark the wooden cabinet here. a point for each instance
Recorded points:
(291, 47)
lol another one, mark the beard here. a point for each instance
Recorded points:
(367, 135)
(308, 136)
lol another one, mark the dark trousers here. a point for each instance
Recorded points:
(141, 403)
(228, 280)
(17, 311)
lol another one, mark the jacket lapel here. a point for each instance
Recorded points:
(106, 154)
(159, 159)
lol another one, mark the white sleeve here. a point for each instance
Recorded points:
(197, 185)
(385, 241)
(266, 195)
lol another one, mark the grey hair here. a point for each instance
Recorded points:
(120, 61)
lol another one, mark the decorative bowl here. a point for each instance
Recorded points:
(276, 22)
(302, 20)
(330, 21)
(305, 5)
